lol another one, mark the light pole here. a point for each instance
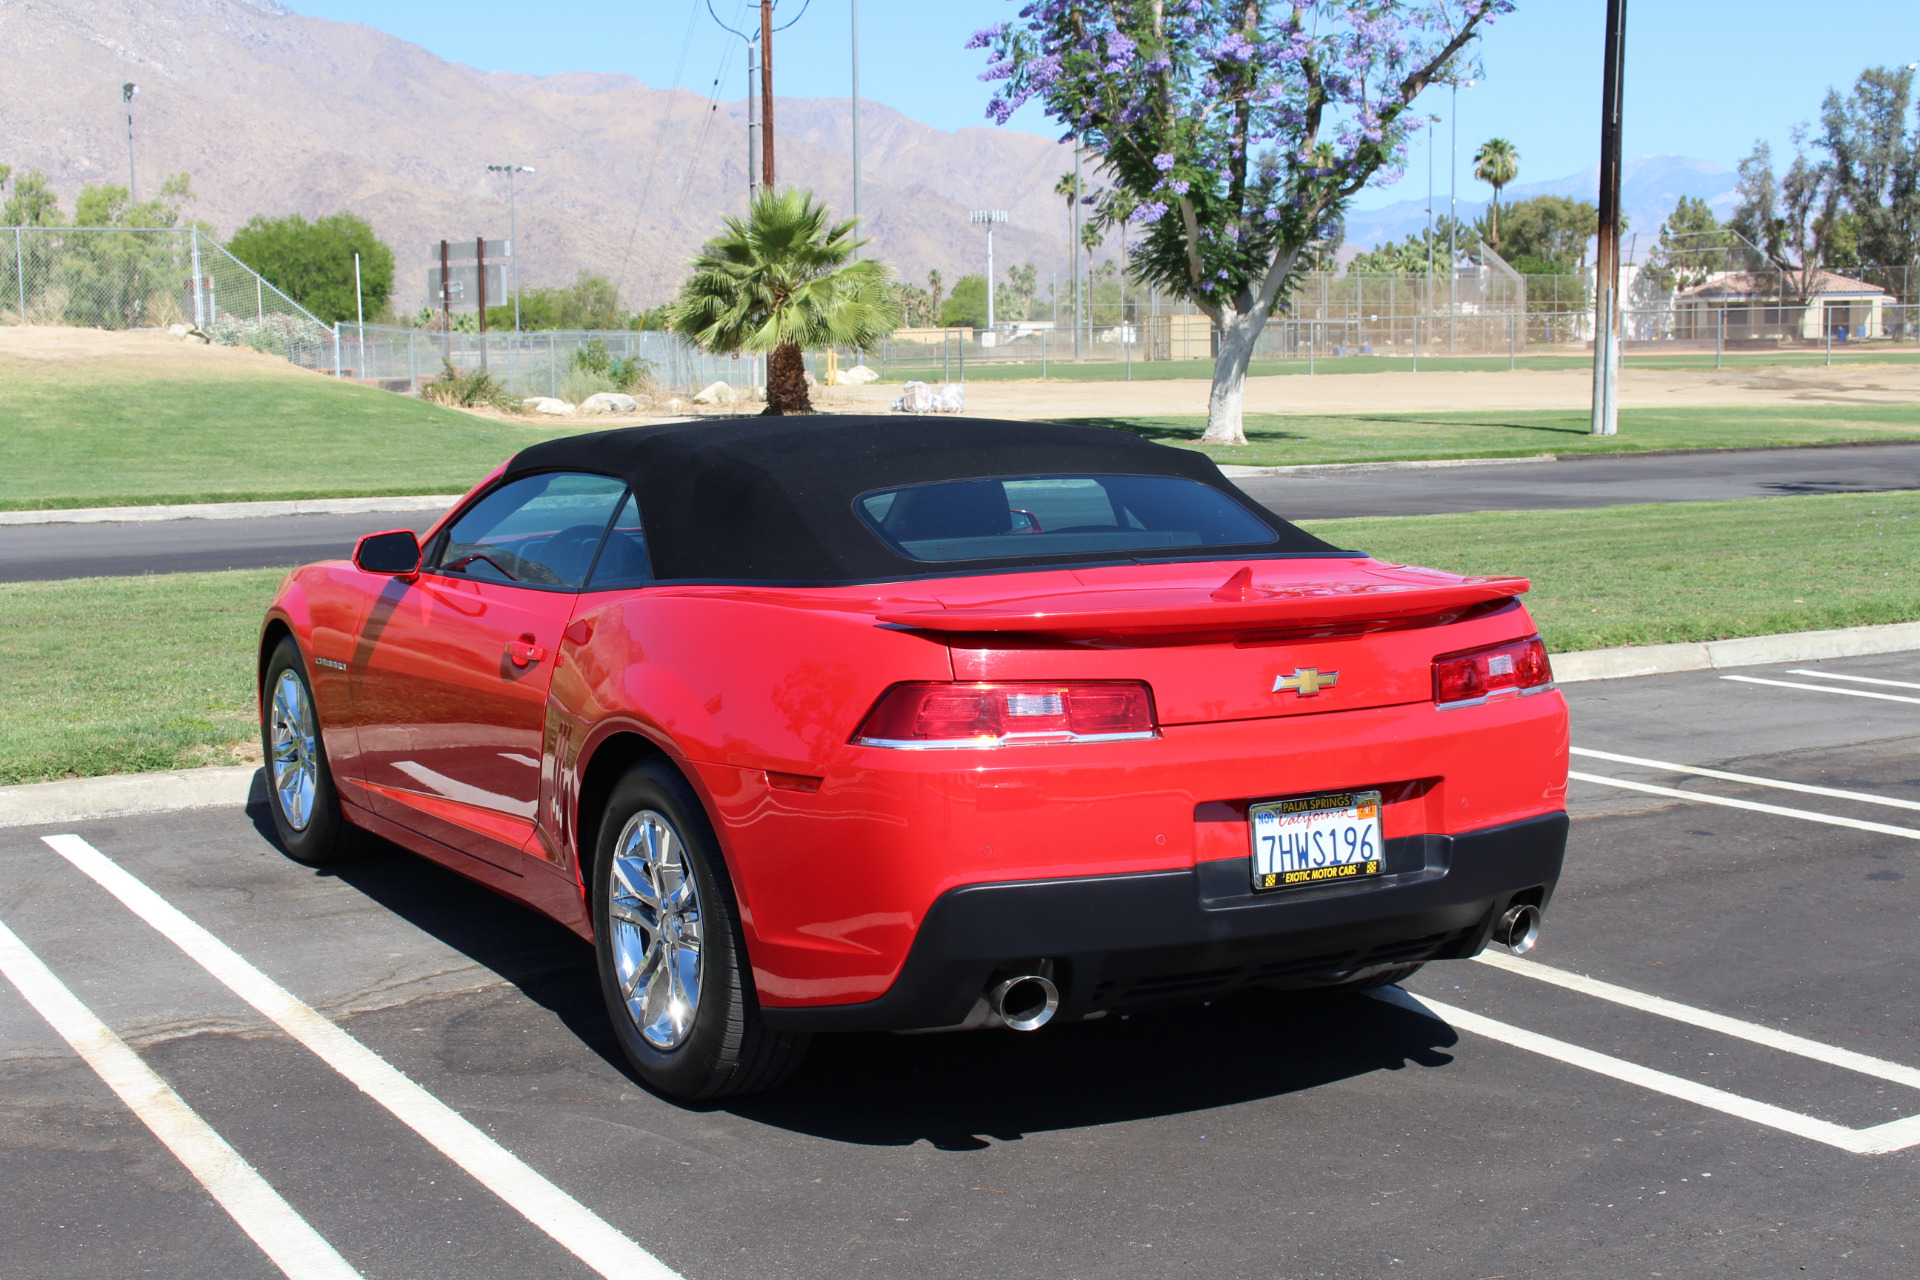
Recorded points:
(988, 217)
(127, 91)
(1453, 210)
(513, 233)
(854, 5)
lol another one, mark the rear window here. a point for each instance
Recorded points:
(1019, 516)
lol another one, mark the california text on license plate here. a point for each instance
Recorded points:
(1315, 839)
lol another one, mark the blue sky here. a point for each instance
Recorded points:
(1706, 77)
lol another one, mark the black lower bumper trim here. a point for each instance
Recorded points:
(1125, 941)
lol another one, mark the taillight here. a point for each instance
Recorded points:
(1498, 671)
(992, 715)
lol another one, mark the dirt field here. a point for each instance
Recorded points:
(122, 354)
(1417, 392)
(152, 354)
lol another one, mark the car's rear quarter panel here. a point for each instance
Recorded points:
(834, 883)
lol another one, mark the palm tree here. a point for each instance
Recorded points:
(1496, 163)
(781, 280)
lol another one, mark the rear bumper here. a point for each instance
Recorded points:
(1117, 942)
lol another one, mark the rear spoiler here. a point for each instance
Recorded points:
(1162, 610)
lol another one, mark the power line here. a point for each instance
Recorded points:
(659, 144)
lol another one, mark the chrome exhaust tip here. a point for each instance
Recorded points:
(1025, 1003)
(1519, 928)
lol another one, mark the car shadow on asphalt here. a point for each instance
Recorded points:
(547, 961)
(957, 1091)
(953, 1091)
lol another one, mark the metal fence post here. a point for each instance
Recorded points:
(1827, 324)
(336, 349)
(1719, 334)
(1510, 344)
(20, 266)
(199, 289)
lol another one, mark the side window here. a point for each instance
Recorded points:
(623, 560)
(538, 531)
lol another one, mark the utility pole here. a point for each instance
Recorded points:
(513, 233)
(1606, 324)
(127, 91)
(988, 217)
(854, 5)
(766, 93)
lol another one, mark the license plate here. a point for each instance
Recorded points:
(1316, 839)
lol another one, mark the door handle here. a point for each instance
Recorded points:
(524, 654)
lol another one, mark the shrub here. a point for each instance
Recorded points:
(469, 389)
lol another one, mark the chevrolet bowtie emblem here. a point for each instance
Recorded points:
(1307, 681)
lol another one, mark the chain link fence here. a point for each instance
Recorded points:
(533, 363)
(147, 278)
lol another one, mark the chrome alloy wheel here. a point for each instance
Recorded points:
(653, 909)
(296, 763)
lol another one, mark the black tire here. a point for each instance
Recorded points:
(1373, 982)
(322, 835)
(723, 1047)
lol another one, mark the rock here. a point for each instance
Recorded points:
(178, 331)
(858, 376)
(548, 405)
(808, 378)
(756, 394)
(714, 393)
(676, 405)
(609, 402)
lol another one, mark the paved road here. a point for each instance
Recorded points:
(29, 552)
(41, 551)
(1591, 481)
(1530, 1131)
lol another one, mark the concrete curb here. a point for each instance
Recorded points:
(231, 510)
(119, 795)
(1351, 468)
(1797, 646)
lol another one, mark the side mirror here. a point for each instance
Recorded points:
(397, 551)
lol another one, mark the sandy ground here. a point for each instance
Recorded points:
(136, 353)
(1417, 392)
(123, 353)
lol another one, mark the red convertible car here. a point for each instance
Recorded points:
(828, 724)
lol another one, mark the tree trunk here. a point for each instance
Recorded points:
(787, 381)
(1238, 333)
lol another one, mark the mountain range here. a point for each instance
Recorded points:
(272, 112)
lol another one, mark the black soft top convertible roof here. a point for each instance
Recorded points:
(771, 500)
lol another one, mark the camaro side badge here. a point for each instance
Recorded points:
(1307, 681)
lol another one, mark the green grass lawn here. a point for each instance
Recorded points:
(121, 675)
(107, 675)
(933, 366)
(1293, 439)
(91, 436)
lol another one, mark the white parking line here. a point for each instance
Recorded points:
(1805, 815)
(578, 1229)
(1835, 675)
(1816, 688)
(1753, 1032)
(288, 1239)
(1895, 1135)
(1665, 766)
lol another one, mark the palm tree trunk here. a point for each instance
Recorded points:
(787, 381)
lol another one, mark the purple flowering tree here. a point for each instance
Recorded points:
(1238, 130)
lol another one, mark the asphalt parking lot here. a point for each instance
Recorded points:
(1709, 1068)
